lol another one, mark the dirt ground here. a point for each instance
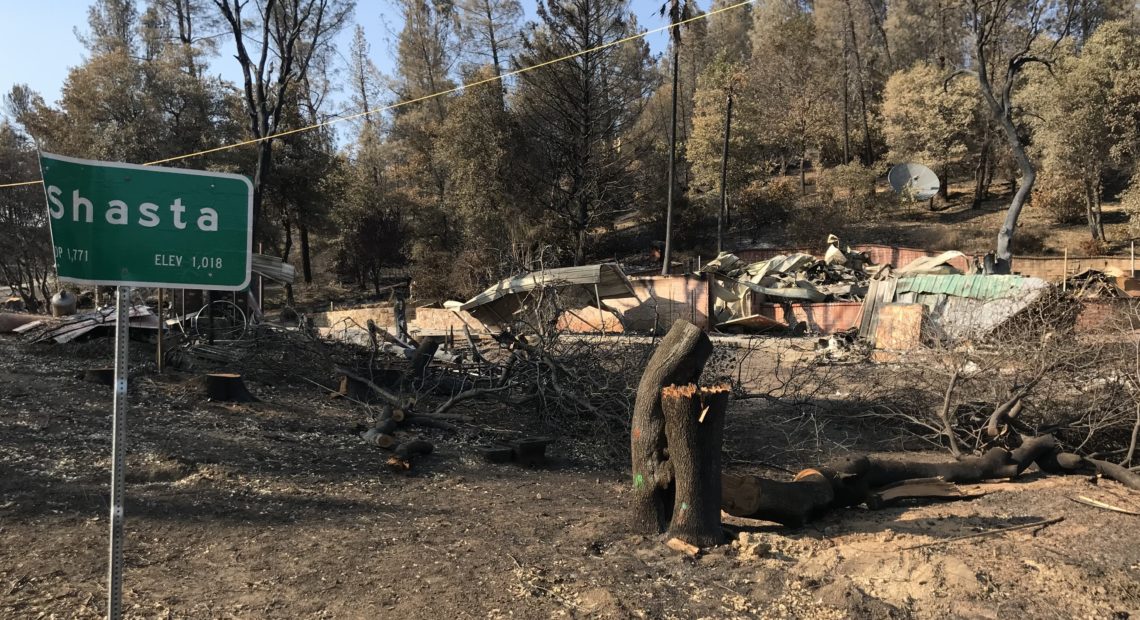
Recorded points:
(278, 510)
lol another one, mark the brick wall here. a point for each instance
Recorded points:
(382, 315)
(588, 320)
(442, 320)
(823, 318)
(1052, 268)
(660, 300)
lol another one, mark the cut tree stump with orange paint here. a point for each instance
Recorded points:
(694, 430)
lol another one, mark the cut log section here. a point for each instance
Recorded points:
(227, 387)
(381, 434)
(678, 359)
(530, 450)
(405, 453)
(694, 430)
(793, 503)
(102, 376)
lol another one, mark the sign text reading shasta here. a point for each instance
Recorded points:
(121, 224)
(118, 213)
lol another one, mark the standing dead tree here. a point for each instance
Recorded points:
(275, 47)
(997, 26)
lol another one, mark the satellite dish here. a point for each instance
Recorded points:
(915, 181)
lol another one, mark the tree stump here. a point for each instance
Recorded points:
(102, 376)
(227, 387)
(694, 430)
(678, 359)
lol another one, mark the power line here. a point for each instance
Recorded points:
(449, 91)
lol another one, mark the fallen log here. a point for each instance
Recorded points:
(694, 431)
(793, 503)
(856, 480)
(1115, 472)
(420, 358)
(385, 395)
(403, 454)
(432, 421)
(678, 359)
(381, 434)
(995, 463)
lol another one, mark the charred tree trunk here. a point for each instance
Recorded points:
(306, 260)
(803, 175)
(422, 356)
(981, 187)
(694, 430)
(678, 359)
(855, 480)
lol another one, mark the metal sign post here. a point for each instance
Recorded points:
(118, 453)
(116, 224)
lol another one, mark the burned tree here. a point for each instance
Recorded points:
(679, 359)
(275, 47)
(997, 26)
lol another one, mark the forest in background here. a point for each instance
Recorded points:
(558, 151)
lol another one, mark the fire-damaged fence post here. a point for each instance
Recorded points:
(125, 225)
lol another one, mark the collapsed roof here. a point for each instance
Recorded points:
(590, 283)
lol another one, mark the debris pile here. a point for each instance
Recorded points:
(1095, 284)
(96, 322)
(842, 275)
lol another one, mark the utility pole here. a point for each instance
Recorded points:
(722, 213)
(672, 165)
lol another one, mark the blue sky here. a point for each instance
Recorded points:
(38, 44)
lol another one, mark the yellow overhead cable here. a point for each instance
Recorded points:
(400, 104)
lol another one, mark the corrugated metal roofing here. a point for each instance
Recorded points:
(608, 277)
(970, 286)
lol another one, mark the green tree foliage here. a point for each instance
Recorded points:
(747, 153)
(728, 31)
(491, 211)
(489, 30)
(927, 31)
(291, 32)
(1086, 110)
(930, 122)
(25, 244)
(788, 84)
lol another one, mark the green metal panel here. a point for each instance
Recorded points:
(969, 286)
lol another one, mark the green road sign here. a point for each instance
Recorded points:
(121, 224)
